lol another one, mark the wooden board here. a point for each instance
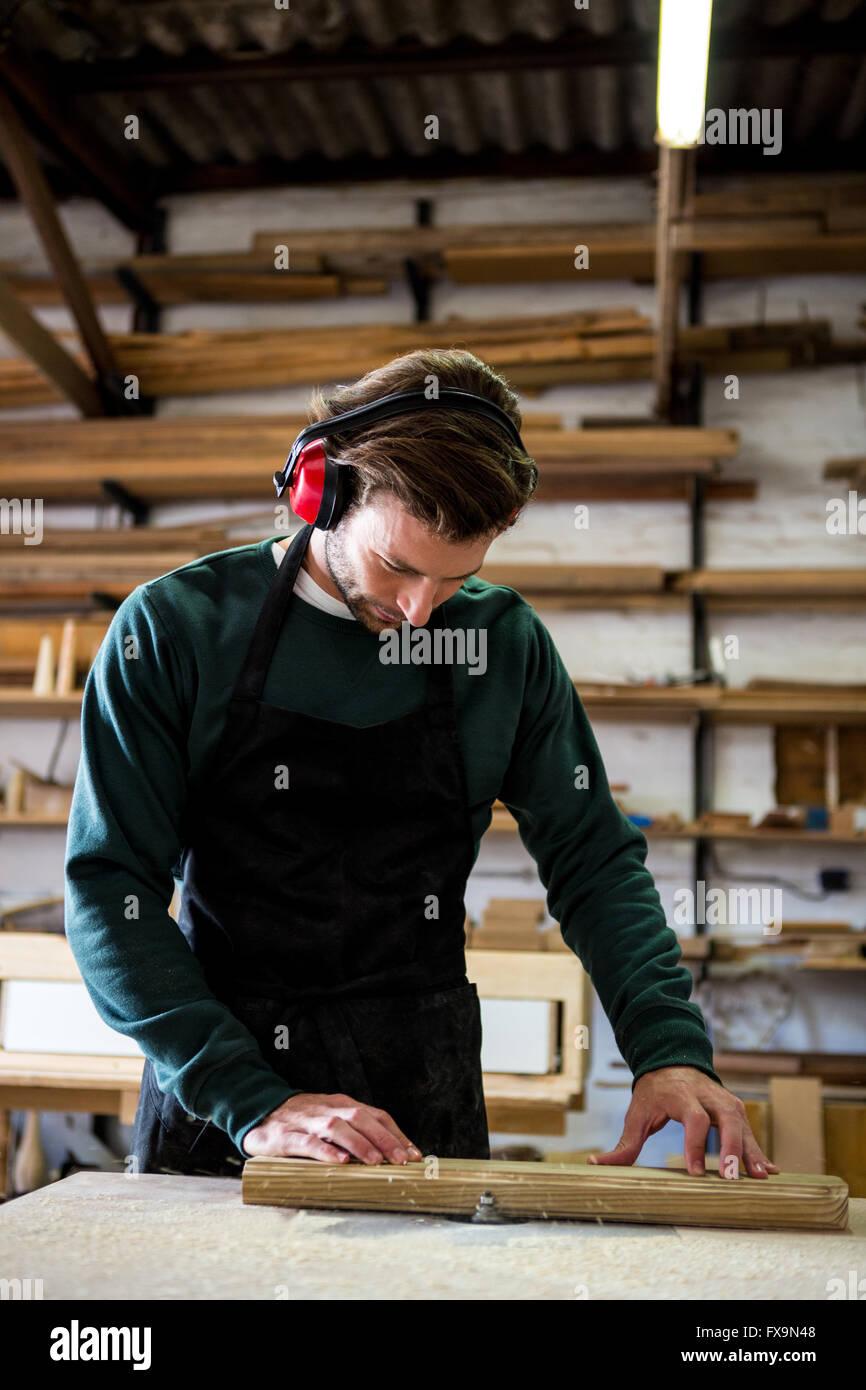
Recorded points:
(797, 1122)
(845, 1144)
(796, 583)
(785, 1201)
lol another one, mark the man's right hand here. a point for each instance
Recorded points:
(331, 1129)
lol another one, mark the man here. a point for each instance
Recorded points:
(325, 806)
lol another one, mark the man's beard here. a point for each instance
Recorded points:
(339, 569)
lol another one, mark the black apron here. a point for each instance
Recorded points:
(328, 913)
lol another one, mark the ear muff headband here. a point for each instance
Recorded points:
(313, 480)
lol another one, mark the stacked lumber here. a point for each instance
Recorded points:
(816, 945)
(244, 359)
(756, 226)
(58, 665)
(226, 277)
(623, 251)
(532, 352)
(20, 641)
(830, 202)
(510, 924)
(78, 567)
(162, 459)
(774, 225)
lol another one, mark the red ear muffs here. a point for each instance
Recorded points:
(316, 487)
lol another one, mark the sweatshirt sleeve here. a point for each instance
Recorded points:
(592, 861)
(122, 846)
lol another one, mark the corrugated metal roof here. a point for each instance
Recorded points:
(607, 107)
(91, 29)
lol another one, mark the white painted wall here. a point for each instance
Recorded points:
(790, 423)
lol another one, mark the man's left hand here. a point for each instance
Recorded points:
(688, 1095)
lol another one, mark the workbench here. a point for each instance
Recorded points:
(98, 1235)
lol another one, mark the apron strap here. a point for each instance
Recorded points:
(251, 678)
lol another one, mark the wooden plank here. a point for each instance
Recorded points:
(784, 1201)
(790, 194)
(758, 1116)
(623, 444)
(543, 579)
(34, 955)
(171, 287)
(519, 975)
(845, 1144)
(844, 1069)
(773, 582)
(797, 1123)
(36, 1069)
(78, 1097)
(711, 234)
(630, 257)
(43, 291)
(520, 1117)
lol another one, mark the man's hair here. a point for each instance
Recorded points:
(460, 475)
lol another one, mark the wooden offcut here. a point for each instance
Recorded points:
(784, 1201)
(798, 1123)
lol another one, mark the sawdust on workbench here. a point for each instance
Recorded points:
(117, 1247)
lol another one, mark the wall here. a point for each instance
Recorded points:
(790, 423)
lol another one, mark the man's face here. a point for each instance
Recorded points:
(389, 568)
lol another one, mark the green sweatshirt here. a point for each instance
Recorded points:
(153, 707)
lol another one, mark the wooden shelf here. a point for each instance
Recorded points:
(534, 352)
(164, 459)
(723, 705)
(21, 704)
(33, 822)
(74, 575)
(763, 588)
(766, 238)
(633, 703)
(121, 561)
(563, 587)
(816, 837)
(503, 822)
(836, 1068)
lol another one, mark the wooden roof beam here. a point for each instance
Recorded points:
(17, 153)
(90, 162)
(43, 349)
